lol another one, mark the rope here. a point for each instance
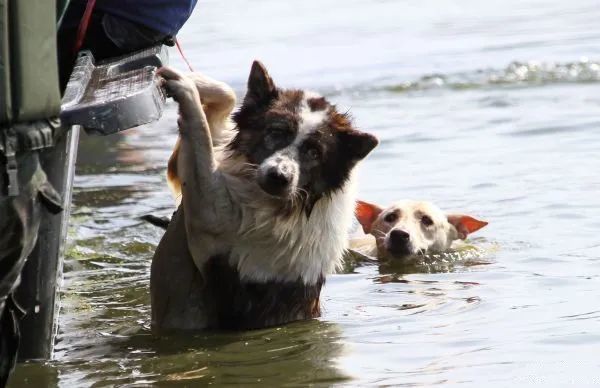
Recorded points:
(83, 26)
(183, 55)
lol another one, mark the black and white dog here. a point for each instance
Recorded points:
(266, 203)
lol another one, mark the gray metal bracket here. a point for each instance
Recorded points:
(116, 94)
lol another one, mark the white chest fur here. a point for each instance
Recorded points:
(272, 247)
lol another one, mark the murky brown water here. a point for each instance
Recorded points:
(483, 107)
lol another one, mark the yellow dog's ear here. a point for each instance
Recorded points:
(366, 214)
(465, 224)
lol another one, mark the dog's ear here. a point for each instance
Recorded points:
(357, 144)
(261, 88)
(366, 214)
(465, 225)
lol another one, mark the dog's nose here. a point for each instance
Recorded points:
(398, 236)
(277, 178)
(274, 181)
(398, 243)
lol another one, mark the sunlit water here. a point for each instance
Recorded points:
(490, 108)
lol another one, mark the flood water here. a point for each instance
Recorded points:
(491, 108)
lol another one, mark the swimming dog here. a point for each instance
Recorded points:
(266, 204)
(409, 228)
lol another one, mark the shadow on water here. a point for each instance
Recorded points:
(35, 374)
(296, 354)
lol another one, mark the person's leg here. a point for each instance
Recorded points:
(40, 277)
(19, 224)
(9, 339)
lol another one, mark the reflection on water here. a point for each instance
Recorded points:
(296, 354)
(485, 108)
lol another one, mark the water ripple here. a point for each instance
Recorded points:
(515, 74)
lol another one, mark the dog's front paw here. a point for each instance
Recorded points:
(178, 86)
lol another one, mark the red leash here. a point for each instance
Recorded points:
(85, 22)
(183, 55)
(83, 26)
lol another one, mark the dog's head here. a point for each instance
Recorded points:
(302, 147)
(408, 228)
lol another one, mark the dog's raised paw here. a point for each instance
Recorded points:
(177, 85)
(169, 73)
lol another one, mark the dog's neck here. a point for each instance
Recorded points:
(277, 245)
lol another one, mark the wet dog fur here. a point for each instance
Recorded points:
(409, 228)
(266, 202)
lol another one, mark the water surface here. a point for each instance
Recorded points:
(491, 108)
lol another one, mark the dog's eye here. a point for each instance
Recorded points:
(276, 137)
(426, 220)
(312, 153)
(390, 217)
(279, 126)
(277, 134)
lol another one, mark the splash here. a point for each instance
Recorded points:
(515, 74)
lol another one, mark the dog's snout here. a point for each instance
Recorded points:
(275, 180)
(399, 236)
(278, 177)
(398, 243)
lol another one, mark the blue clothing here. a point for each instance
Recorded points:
(166, 16)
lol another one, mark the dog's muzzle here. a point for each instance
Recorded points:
(398, 243)
(278, 176)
